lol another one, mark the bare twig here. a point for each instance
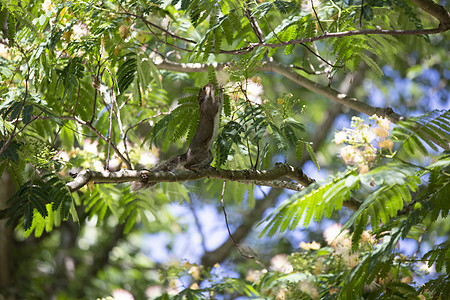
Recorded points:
(253, 23)
(222, 252)
(308, 72)
(111, 109)
(236, 244)
(247, 100)
(197, 222)
(101, 136)
(13, 132)
(320, 57)
(317, 17)
(166, 31)
(96, 86)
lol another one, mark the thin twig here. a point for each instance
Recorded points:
(253, 23)
(253, 116)
(96, 86)
(78, 98)
(167, 31)
(197, 222)
(228, 227)
(320, 57)
(111, 109)
(360, 16)
(317, 17)
(308, 72)
(101, 136)
(8, 142)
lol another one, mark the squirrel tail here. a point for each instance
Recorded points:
(164, 166)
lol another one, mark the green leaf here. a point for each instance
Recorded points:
(284, 6)
(262, 9)
(299, 150)
(27, 113)
(28, 216)
(312, 155)
(126, 72)
(11, 28)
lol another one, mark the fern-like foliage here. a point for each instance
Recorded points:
(439, 287)
(70, 75)
(375, 263)
(388, 189)
(430, 131)
(34, 195)
(316, 200)
(127, 207)
(137, 68)
(440, 257)
(179, 122)
(258, 129)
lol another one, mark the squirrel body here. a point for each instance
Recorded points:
(199, 153)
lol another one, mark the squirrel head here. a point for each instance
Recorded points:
(206, 92)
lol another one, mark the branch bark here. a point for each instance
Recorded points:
(261, 177)
(435, 10)
(245, 176)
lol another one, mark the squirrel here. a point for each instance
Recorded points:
(199, 153)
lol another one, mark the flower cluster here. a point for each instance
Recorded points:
(362, 141)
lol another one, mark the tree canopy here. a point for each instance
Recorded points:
(331, 169)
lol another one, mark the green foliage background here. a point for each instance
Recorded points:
(91, 84)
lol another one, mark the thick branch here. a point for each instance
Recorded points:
(331, 93)
(434, 9)
(288, 72)
(428, 6)
(327, 35)
(244, 176)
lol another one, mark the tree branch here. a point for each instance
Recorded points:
(428, 6)
(288, 72)
(244, 176)
(327, 35)
(435, 10)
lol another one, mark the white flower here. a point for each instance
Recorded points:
(340, 137)
(47, 5)
(120, 294)
(331, 234)
(351, 155)
(308, 287)
(280, 263)
(423, 267)
(310, 246)
(153, 291)
(79, 30)
(254, 91)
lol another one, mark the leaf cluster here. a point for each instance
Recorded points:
(35, 196)
(388, 197)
